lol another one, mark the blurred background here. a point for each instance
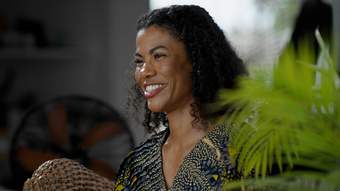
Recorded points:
(65, 70)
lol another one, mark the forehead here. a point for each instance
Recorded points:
(153, 31)
(154, 36)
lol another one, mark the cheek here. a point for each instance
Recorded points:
(187, 82)
(137, 76)
(185, 79)
(169, 70)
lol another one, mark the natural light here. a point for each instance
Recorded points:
(229, 14)
(248, 24)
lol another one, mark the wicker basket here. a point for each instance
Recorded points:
(66, 174)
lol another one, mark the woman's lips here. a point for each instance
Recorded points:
(151, 92)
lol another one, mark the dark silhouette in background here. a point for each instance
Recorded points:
(314, 14)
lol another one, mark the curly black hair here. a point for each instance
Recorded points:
(215, 64)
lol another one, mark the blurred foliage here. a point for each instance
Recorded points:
(285, 126)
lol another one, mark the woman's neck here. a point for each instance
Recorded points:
(184, 135)
(183, 128)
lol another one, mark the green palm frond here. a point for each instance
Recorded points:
(288, 119)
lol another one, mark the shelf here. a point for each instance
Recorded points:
(50, 53)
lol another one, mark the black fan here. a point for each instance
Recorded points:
(76, 127)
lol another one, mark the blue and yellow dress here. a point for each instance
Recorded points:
(206, 167)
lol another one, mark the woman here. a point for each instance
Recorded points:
(182, 59)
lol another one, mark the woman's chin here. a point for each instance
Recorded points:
(155, 107)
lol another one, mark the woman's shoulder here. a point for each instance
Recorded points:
(153, 142)
(146, 150)
(142, 160)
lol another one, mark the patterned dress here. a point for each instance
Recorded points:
(204, 168)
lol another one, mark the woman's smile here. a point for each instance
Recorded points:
(151, 90)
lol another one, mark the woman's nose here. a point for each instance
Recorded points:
(148, 70)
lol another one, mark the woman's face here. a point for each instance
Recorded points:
(163, 70)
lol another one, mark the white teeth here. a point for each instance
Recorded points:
(152, 87)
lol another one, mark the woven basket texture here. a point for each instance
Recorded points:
(66, 175)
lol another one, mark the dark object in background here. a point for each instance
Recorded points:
(6, 86)
(76, 127)
(34, 28)
(7, 82)
(3, 27)
(314, 14)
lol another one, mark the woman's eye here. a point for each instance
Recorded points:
(138, 62)
(159, 56)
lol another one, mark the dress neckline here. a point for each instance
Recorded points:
(206, 139)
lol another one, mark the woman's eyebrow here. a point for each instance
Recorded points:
(151, 51)
(138, 55)
(155, 48)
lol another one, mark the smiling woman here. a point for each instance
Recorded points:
(163, 70)
(182, 60)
